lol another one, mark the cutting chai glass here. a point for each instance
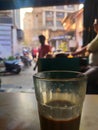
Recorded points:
(60, 96)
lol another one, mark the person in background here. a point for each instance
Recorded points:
(44, 48)
(92, 71)
(34, 52)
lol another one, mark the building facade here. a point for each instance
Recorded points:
(10, 33)
(47, 21)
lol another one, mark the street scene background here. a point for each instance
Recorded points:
(22, 82)
(19, 31)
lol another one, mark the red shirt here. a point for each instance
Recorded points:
(34, 51)
(43, 50)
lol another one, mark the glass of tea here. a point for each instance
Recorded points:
(60, 96)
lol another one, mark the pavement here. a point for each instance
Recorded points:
(22, 82)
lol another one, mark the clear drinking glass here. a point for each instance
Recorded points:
(60, 96)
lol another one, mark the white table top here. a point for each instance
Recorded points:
(89, 120)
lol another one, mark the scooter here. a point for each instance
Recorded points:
(11, 66)
(26, 58)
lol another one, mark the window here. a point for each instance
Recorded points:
(59, 17)
(49, 16)
(58, 23)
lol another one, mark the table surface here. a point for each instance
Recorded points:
(18, 111)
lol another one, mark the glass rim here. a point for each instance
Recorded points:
(80, 76)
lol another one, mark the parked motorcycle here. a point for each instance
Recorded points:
(26, 58)
(11, 66)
